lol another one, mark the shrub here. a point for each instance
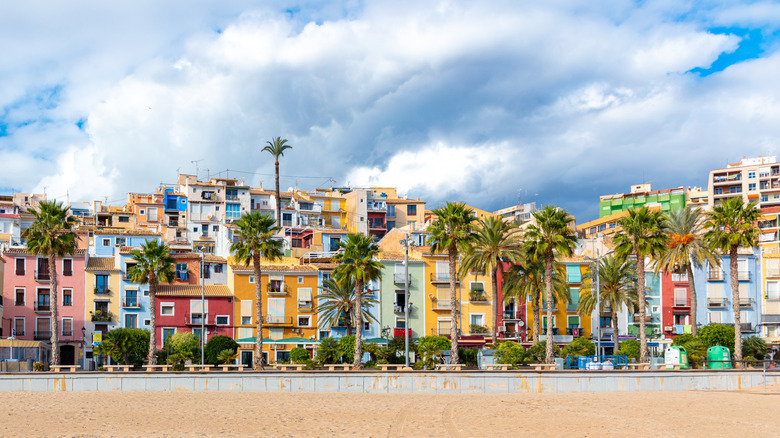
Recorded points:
(681, 340)
(183, 347)
(630, 348)
(430, 349)
(717, 334)
(328, 351)
(125, 345)
(537, 352)
(477, 329)
(299, 355)
(216, 345)
(579, 347)
(510, 352)
(697, 352)
(226, 356)
(38, 366)
(754, 346)
(468, 356)
(347, 348)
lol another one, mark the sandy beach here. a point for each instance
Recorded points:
(286, 414)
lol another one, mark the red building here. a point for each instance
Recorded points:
(180, 309)
(675, 304)
(512, 321)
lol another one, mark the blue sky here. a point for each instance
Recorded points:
(557, 101)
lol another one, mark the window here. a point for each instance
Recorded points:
(166, 309)
(715, 317)
(67, 267)
(147, 322)
(572, 322)
(735, 189)
(222, 320)
(124, 219)
(246, 312)
(718, 190)
(246, 320)
(131, 320)
(19, 297)
(251, 279)
(206, 270)
(304, 298)
(131, 298)
(752, 187)
(215, 228)
(764, 198)
(477, 319)
(411, 210)
(390, 225)
(101, 284)
(300, 280)
(304, 321)
(752, 174)
(42, 303)
(680, 296)
(67, 297)
(218, 268)
(773, 290)
(232, 211)
(443, 326)
(167, 333)
(106, 242)
(67, 326)
(20, 267)
(141, 212)
(400, 322)
(43, 328)
(18, 327)
(151, 214)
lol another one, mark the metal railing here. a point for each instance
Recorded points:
(715, 275)
(102, 290)
(441, 277)
(401, 309)
(41, 335)
(42, 308)
(400, 278)
(305, 305)
(42, 275)
(130, 304)
(680, 278)
(271, 319)
(743, 275)
(716, 302)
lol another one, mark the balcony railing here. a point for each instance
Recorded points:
(681, 302)
(42, 308)
(67, 334)
(478, 296)
(41, 335)
(400, 278)
(402, 309)
(281, 320)
(131, 304)
(716, 302)
(680, 278)
(277, 289)
(715, 275)
(42, 275)
(445, 304)
(746, 327)
(441, 277)
(305, 305)
(399, 332)
(196, 319)
(102, 291)
(743, 275)
(100, 316)
(745, 302)
(511, 315)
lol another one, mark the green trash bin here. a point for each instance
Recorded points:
(676, 355)
(715, 355)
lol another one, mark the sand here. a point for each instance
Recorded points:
(286, 414)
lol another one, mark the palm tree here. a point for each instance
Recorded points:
(617, 287)
(686, 249)
(526, 280)
(643, 235)
(51, 235)
(276, 147)
(731, 225)
(337, 301)
(254, 241)
(356, 262)
(551, 236)
(154, 264)
(452, 231)
(494, 242)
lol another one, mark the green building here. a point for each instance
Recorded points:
(641, 195)
(391, 295)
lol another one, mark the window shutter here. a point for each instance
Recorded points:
(304, 294)
(246, 308)
(714, 290)
(744, 291)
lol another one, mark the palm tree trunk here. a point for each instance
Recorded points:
(548, 274)
(640, 286)
(358, 361)
(692, 291)
(537, 318)
(258, 360)
(735, 302)
(494, 304)
(453, 254)
(151, 356)
(615, 334)
(278, 199)
(55, 336)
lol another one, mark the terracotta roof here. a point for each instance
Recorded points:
(404, 201)
(325, 266)
(23, 251)
(101, 264)
(122, 231)
(331, 231)
(214, 259)
(10, 216)
(268, 192)
(392, 255)
(192, 290)
(573, 258)
(275, 268)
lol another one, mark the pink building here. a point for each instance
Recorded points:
(179, 309)
(27, 304)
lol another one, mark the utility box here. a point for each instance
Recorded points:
(676, 355)
(718, 358)
(485, 358)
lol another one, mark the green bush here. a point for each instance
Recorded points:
(183, 347)
(299, 355)
(125, 345)
(754, 346)
(537, 352)
(328, 351)
(347, 348)
(681, 340)
(226, 356)
(510, 352)
(579, 347)
(717, 334)
(468, 356)
(430, 349)
(38, 366)
(697, 352)
(630, 348)
(216, 345)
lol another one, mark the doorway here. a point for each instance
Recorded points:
(67, 355)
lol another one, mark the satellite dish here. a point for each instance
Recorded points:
(520, 323)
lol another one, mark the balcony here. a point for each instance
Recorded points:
(743, 275)
(557, 338)
(231, 197)
(401, 278)
(681, 329)
(101, 316)
(277, 320)
(445, 304)
(478, 296)
(511, 314)
(41, 335)
(102, 291)
(680, 278)
(402, 309)
(746, 327)
(577, 332)
(716, 302)
(305, 305)
(648, 318)
(196, 319)
(277, 289)
(131, 304)
(42, 275)
(745, 302)
(554, 308)
(681, 302)
(715, 275)
(441, 277)
(67, 334)
(42, 308)
(376, 206)
(399, 332)
(436, 332)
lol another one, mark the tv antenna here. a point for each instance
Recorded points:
(197, 169)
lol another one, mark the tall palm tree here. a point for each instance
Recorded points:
(643, 235)
(337, 301)
(617, 287)
(551, 235)
(154, 264)
(255, 240)
(495, 241)
(731, 225)
(276, 147)
(453, 232)
(356, 261)
(525, 280)
(51, 235)
(687, 249)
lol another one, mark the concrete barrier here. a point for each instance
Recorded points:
(401, 382)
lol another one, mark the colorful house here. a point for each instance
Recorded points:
(182, 308)
(392, 297)
(675, 304)
(27, 305)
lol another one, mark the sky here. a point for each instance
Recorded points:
(487, 103)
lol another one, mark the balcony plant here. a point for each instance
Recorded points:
(477, 295)
(100, 316)
(478, 329)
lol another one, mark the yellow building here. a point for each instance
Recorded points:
(288, 291)
(770, 296)
(102, 296)
(334, 208)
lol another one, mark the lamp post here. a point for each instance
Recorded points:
(202, 311)
(405, 242)
(596, 261)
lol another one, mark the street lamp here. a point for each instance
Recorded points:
(406, 243)
(202, 310)
(596, 262)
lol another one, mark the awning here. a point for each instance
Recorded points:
(296, 340)
(251, 340)
(376, 340)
